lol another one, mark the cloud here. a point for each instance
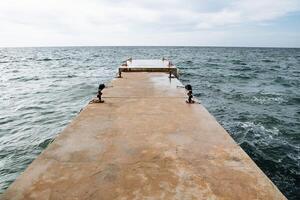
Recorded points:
(265, 9)
(117, 21)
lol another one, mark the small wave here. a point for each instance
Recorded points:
(213, 60)
(212, 65)
(241, 76)
(189, 74)
(244, 68)
(268, 100)
(238, 62)
(187, 62)
(51, 59)
(60, 77)
(259, 127)
(255, 133)
(188, 68)
(15, 79)
(26, 115)
(285, 82)
(25, 79)
(71, 76)
(44, 59)
(275, 67)
(47, 112)
(267, 61)
(30, 108)
(279, 79)
(34, 78)
(5, 121)
(294, 100)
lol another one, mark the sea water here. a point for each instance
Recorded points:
(253, 92)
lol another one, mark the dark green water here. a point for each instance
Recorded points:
(253, 92)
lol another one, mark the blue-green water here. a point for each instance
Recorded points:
(253, 92)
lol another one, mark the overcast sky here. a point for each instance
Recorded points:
(150, 22)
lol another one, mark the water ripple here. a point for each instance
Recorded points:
(253, 92)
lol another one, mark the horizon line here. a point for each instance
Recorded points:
(203, 46)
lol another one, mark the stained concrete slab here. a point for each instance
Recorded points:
(149, 66)
(144, 142)
(147, 63)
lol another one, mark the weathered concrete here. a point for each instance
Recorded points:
(144, 142)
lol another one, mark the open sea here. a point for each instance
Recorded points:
(253, 92)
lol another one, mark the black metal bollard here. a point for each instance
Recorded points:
(190, 94)
(100, 88)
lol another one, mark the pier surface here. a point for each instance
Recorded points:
(144, 142)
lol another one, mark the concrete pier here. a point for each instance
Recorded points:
(144, 142)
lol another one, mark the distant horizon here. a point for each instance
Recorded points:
(204, 46)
